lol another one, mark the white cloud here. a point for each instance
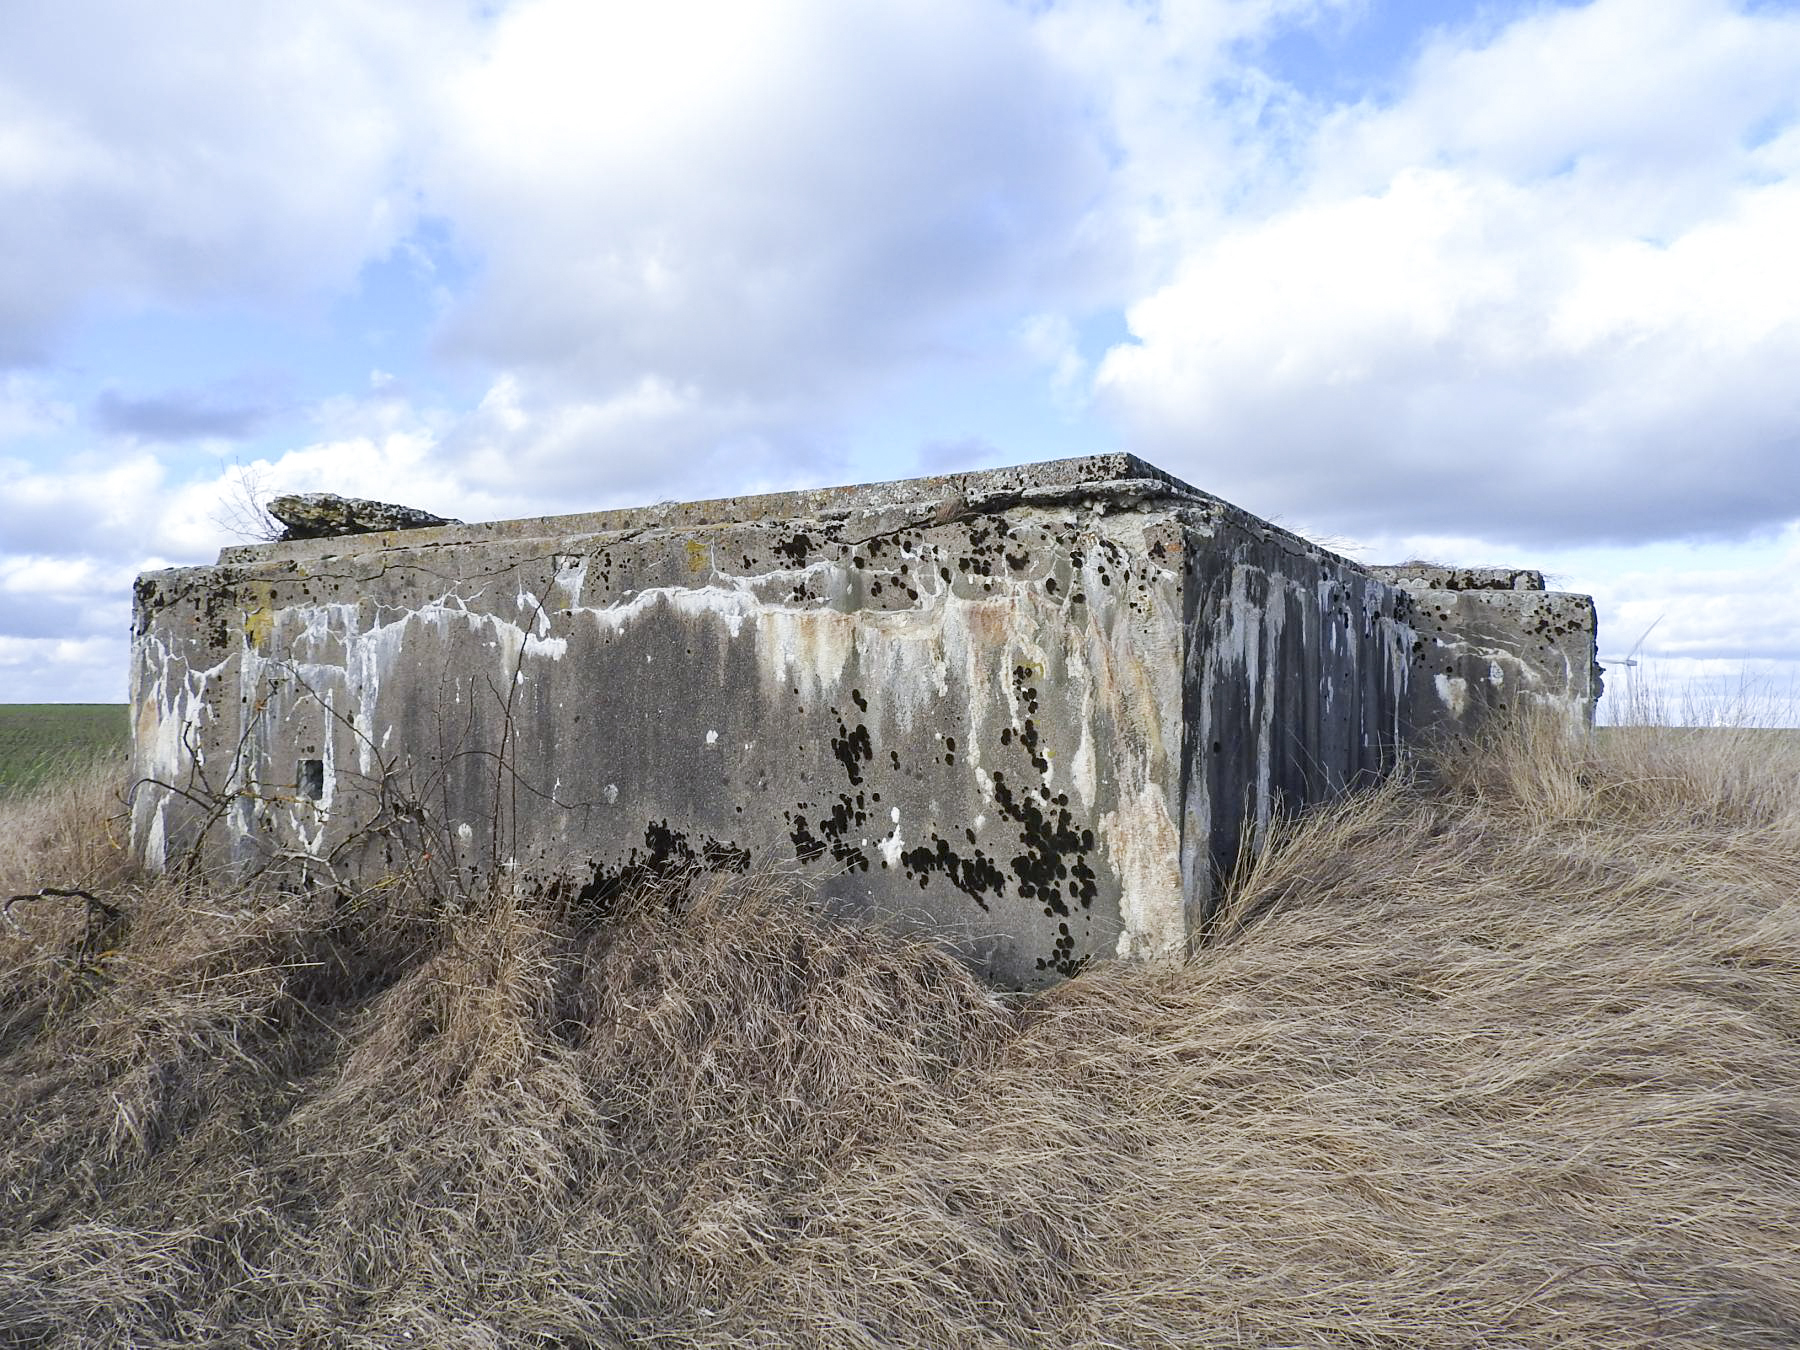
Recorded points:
(94, 506)
(62, 670)
(1745, 608)
(212, 152)
(755, 202)
(1552, 289)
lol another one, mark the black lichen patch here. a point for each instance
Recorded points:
(976, 876)
(1026, 691)
(1056, 853)
(667, 851)
(808, 847)
(796, 549)
(835, 832)
(1028, 737)
(1062, 958)
(853, 749)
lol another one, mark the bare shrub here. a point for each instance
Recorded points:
(1506, 1052)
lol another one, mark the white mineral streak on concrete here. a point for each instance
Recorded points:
(807, 649)
(1083, 771)
(1144, 847)
(1245, 641)
(1132, 664)
(328, 753)
(969, 629)
(1400, 668)
(168, 744)
(1274, 619)
(1453, 693)
(729, 604)
(573, 579)
(1330, 621)
(155, 837)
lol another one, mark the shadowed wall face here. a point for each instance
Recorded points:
(1031, 710)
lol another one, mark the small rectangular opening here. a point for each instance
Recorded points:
(310, 777)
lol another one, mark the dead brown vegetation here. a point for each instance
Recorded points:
(1506, 1057)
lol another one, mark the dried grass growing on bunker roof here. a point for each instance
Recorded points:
(1506, 1057)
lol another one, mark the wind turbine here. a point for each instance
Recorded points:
(1630, 662)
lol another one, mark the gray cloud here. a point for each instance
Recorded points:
(1547, 291)
(176, 416)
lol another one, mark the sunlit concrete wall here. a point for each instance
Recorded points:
(1033, 710)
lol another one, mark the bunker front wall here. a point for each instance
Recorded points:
(1035, 731)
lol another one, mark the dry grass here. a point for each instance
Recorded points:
(1506, 1058)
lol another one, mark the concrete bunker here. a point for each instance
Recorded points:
(1035, 710)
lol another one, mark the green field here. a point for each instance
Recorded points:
(37, 738)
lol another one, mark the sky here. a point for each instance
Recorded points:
(1512, 284)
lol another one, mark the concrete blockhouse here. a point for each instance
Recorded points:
(1036, 710)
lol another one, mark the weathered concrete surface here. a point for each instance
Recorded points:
(1034, 710)
(1492, 642)
(1432, 577)
(325, 515)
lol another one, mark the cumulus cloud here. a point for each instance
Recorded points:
(204, 153)
(756, 202)
(1551, 289)
(93, 506)
(62, 670)
(55, 598)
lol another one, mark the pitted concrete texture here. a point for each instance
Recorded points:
(1431, 577)
(321, 515)
(1033, 710)
(1492, 642)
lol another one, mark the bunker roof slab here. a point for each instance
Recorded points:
(1124, 479)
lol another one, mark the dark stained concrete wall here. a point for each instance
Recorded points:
(1032, 710)
(1297, 687)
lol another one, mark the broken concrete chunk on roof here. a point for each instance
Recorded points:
(325, 515)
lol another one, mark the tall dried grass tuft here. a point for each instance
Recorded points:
(1504, 1053)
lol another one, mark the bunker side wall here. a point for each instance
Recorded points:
(1488, 655)
(1296, 686)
